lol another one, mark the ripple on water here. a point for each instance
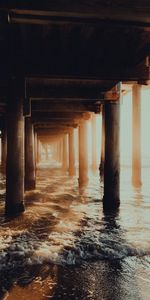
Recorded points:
(66, 226)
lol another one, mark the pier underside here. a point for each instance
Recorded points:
(60, 63)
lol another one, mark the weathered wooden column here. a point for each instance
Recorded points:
(111, 199)
(102, 157)
(65, 153)
(15, 151)
(72, 169)
(29, 155)
(136, 135)
(4, 146)
(94, 144)
(83, 153)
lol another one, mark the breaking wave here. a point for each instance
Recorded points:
(23, 248)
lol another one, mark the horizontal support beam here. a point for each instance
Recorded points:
(63, 89)
(66, 100)
(64, 92)
(61, 81)
(48, 131)
(79, 11)
(51, 135)
(105, 73)
(52, 106)
(57, 115)
(50, 139)
(52, 126)
(66, 122)
(136, 73)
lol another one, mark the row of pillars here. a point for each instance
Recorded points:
(72, 159)
(21, 175)
(65, 151)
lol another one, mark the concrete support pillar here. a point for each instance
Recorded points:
(136, 135)
(60, 150)
(83, 153)
(94, 144)
(35, 148)
(72, 169)
(15, 154)
(102, 157)
(4, 146)
(65, 153)
(55, 151)
(29, 155)
(38, 150)
(111, 199)
(46, 152)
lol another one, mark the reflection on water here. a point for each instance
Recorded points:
(64, 247)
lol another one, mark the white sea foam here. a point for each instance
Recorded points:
(69, 228)
(62, 249)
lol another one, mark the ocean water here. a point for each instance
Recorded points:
(65, 247)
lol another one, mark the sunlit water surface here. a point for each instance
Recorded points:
(64, 247)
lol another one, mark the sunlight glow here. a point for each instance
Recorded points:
(54, 150)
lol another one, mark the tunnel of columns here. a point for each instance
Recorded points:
(61, 67)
